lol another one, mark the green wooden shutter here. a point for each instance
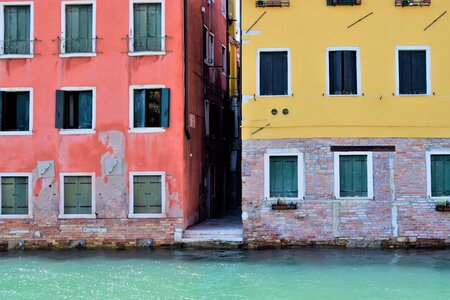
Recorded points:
(165, 107)
(1, 109)
(17, 29)
(147, 27)
(70, 195)
(23, 111)
(8, 191)
(139, 191)
(84, 194)
(60, 108)
(140, 110)
(440, 175)
(85, 109)
(21, 188)
(154, 194)
(78, 29)
(353, 176)
(283, 176)
(140, 27)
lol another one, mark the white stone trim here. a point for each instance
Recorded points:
(2, 29)
(300, 170)
(428, 68)
(131, 29)
(428, 155)
(30, 195)
(94, 110)
(370, 192)
(62, 215)
(358, 70)
(63, 28)
(258, 52)
(131, 127)
(30, 120)
(131, 213)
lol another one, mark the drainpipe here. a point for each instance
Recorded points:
(186, 85)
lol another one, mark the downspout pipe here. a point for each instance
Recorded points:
(186, 77)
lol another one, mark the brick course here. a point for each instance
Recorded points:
(355, 222)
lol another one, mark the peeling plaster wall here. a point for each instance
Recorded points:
(111, 71)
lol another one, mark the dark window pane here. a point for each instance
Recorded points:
(78, 109)
(15, 111)
(342, 72)
(147, 108)
(412, 72)
(273, 73)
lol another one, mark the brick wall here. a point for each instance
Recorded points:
(400, 198)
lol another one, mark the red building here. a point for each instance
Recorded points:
(103, 131)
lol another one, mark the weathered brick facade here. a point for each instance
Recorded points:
(399, 215)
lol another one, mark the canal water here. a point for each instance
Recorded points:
(226, 274)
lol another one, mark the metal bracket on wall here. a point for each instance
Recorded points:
(261, 128)
(435, 20)
(254, 23)
(369, 14)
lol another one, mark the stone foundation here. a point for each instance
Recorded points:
(399, 215)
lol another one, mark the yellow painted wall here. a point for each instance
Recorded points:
(308, 27)
(233, 48)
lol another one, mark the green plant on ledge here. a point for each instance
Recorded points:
(443, 205)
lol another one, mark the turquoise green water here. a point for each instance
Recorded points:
(231, 274)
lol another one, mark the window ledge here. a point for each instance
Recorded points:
(16, 132)
(273, 96)
(78, 55)
(412, 95)
(76, 131)
(355, 198)
(344, 95)
(16, 56)
(437, 199)
(147, 130)
(93, 216)
(147, 53)
(145, 216)
(16, 216)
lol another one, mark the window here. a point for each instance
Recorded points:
(78, 28)
(343, 2)
(413, 74)
(147, 27)
(16, 32)
(149, 108)
(283, 174)
(224, 59)
(343, 71)
(273, 72)
(208, 47)
(438, 169)
(15, 195)
(75, 110)
(353, 175)
(224, 8)
(147, 195)
(77, 195)
(15, 111)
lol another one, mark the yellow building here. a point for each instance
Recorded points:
(346, 116)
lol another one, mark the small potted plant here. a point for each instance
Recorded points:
(443, 205)
(282, 205)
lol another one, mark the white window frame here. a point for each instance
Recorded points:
(370, 192)
(30, 126)
(131, 29)
(224, 60)
(63, 131)
(62, 215)
(300, 171)
(30, 195)
(258, 52)
(210, 47)
(428, 165)
(358, 70)
(207, 120)
(63, 28)
(224, 8)
(428, 69)
(131, 127)
(2, 29)
(131, 213)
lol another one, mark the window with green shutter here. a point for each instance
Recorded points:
(412, 72)
(440, 175)
(14, 195)
(353, 176)
(77, 195)
(74, 109)
(147, 196)
(17, 29)
(342, 72)
(273, 73)
(283, 176)
(151, 108)
(14, 111)
(147, 27)
(78, 35)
